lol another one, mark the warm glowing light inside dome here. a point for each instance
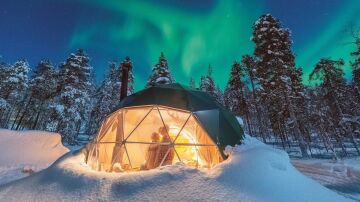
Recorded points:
(134, 139)
(188, 139)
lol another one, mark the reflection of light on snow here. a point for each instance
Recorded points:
(186, 137)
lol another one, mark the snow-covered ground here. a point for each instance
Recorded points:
(253, 172)
(342, 176)
(23, 152)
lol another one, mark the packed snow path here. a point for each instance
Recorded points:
(343, 176)
(253, 172)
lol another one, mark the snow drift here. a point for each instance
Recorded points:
(30, 147)
(27, 151)
(253, 172)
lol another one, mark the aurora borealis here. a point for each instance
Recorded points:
(192, 34)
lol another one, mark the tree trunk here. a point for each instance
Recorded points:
(24, 113)
(36, 120)
(354, 143)
(16, 117)
(7, 119)
(257, 111)
(298, 133)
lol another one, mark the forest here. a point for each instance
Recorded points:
(265, 88)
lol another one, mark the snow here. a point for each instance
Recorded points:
(240, 120)
(22, 151)
(253, 172)
(162, 80)
(3, 104)
(29, 147)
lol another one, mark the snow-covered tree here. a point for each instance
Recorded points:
(355, 64)
(4, 105)
(219, 95)
(4, 81)
(13, 88)
(75, 85)
(319, 121)
(108, 95)
(108, 91)
(207, 83)
(275, 69)
(338, 99)
(4, 75)
(255, 109)
(16, 79)
(42, 88)
(160, 73)
(332, 80)
(234, 94)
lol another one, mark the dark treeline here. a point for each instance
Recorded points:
(264, 88)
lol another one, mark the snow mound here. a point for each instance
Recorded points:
(29, 147)
(253, 172)
(24, 152)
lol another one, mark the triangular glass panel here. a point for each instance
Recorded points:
(174, 120)
(150, 130)
(132, 118)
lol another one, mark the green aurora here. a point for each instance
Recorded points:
(217, 35)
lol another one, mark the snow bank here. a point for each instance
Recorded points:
(29, 147)
(25, 152)
(253, 172)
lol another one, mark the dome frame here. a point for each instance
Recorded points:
(215, 122)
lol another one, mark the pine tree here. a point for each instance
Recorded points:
(318, 119)
(234, 94)
(268, 37)
(42, 88)
(14, 85)
(108, 95)
(16, 79)
(219, 95)
(331, 75)
(108, 91)
(4, 75)
(338, 99)
(275, 69)
(356, 68)
(75, 88)
(249, 64)
(207, 83)
(160, 73)
(4, 105)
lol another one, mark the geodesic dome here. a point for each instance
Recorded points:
(163, 125)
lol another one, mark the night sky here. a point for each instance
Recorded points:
(192, 34)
